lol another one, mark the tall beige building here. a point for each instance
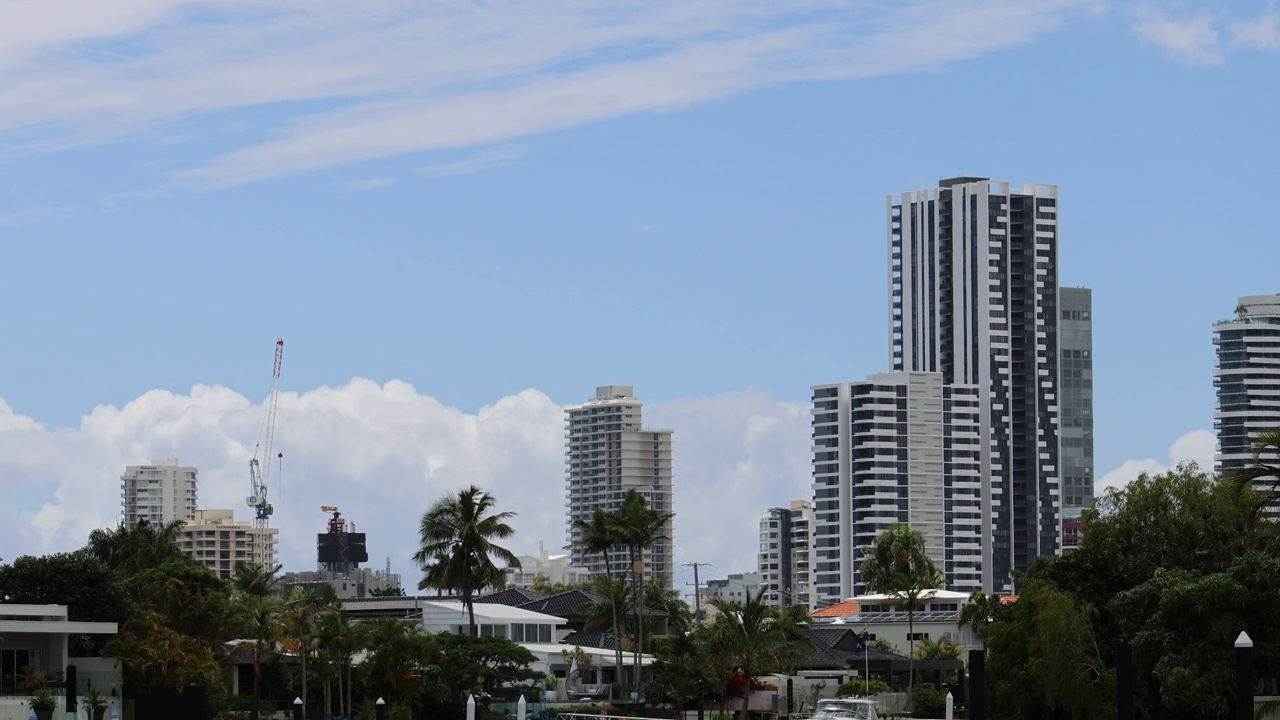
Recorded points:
(159, 493)
(216, 540)
(608, 452)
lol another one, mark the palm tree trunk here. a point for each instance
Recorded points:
(302, 652)
(617, 636)
(911, 638)
(635, 601)
(257, 678)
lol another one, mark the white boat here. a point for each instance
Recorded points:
(845, 709)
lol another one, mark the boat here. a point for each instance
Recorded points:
(845, 709)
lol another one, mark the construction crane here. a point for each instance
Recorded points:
(260, 472)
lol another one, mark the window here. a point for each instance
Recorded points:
(517, 633)
(544, 633)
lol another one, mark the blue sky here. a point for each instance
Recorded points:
(481, 200)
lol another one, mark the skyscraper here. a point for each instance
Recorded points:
(1076, 375)
(786, 536)
(1247, 378)
(973, 275)
(897, 448)
(215, 540)
(159, 493)
(608, 453)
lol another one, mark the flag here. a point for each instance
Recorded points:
(862, 642)
(573, 669)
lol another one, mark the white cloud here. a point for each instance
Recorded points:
(383, 454)
(1261, 33)
(1198, 446)
(358, 81)
(1192, 39)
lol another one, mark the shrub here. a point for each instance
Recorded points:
(860, 688)
(928, 702)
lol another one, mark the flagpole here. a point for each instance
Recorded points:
(866, 659)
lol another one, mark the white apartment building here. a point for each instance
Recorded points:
(608, 452)
(973, 272)
(786, 537)
(159, 493)
(1246, 376)
(555, 568)
(897, 448)
(216, 540)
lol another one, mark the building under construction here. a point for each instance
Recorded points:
(339, 552)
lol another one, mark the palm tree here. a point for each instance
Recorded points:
(301, 614)
(128, 551)
(256, 580)
(265, 626)
(1263, 475)
(657, 595)
(897, 564)
(456, 535)
(979, 612)
(754, 636)
(599, 535)
(639, 527)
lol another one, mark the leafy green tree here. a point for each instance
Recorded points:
(898, 565)
(263, 621)
(387, 592)
(300, 614)
(468, 664)
(599, 535)
(681, 673)
(78, 580)
(665, 599)
(457, 547)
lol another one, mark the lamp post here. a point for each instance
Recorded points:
(381, 709)
(297, 708)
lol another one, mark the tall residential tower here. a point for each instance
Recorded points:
(159, 493)
(608, 453)
(897, 448)
(1247, 378)
(786, 539)
(974, 295)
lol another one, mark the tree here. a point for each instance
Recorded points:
(639, 527)
(468, 664)
(301, 612)
(979, 612)
(898, 565)
(599, 535)
(753, 635)
(78, 580)
(263, 622)
(256, 580)
(456, 536)
(396, 591)
(128, 551)
(665, 599)
(399, 654)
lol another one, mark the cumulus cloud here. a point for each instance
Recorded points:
(383, 453)
(357, 81)
(1198, 446)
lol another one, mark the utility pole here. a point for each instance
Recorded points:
(697, 594)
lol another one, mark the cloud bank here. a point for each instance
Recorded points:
(342, 82)
(1198, 446)
(1204, 36)
(383, 453)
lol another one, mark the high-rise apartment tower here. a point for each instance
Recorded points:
(786, 536)
(897, 448)
(214, 539)
(1076, 384)
(608, 453)
(1247, 379)
(974, 296)
(159, 493)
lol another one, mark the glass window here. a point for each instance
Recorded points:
(544, 633)
(517, 633)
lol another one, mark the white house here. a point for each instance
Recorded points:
(36, 636)
(937, 617)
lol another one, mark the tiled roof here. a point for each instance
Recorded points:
(515, 597)
(841, 609)
(595, 639)
(566, 604)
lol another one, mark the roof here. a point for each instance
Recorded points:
(569, 604)
(600, 656)
(924, 596)
(836, 648)
(603, 639)
(514, 597)
(840, 609)
(496, 611)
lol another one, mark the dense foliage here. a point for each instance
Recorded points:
(1176, 565)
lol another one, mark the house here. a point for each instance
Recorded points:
(574, 606)
(937, 617)
(35, 636)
